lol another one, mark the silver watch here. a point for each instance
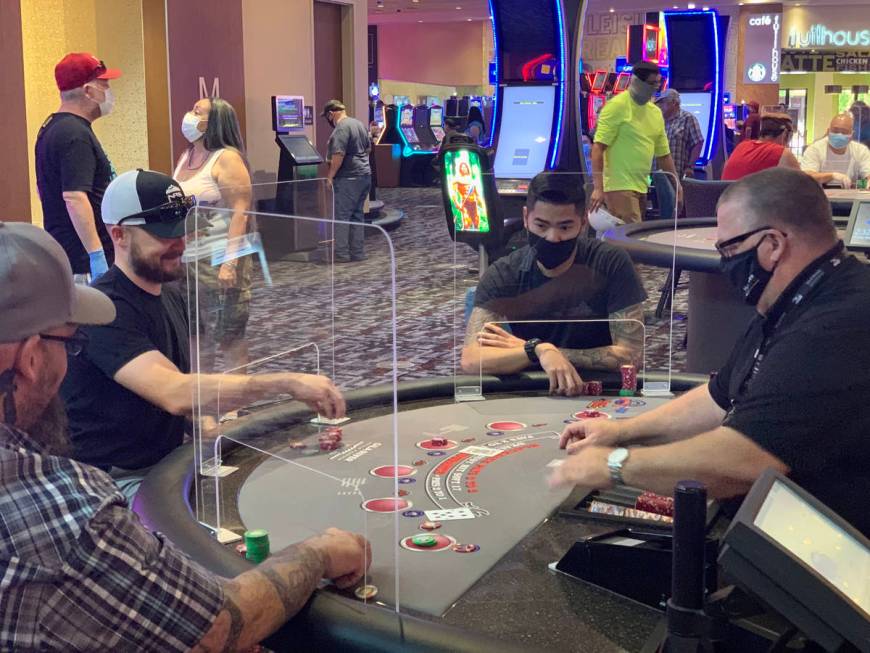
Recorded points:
(615, 461)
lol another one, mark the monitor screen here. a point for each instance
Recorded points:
(622, 82)
(692, 50)
(524, 133)
(287, 113)
(407, 118)
(817, 541)
(467, 195)
(599, 81)
(527, 32)
(698, 104)
(301, 149)
(436, 116)
(858, 232)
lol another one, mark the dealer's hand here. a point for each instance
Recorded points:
(346, 556)
(591, 432)
(839, 178)
(587, 468)
(227, 274)
(564, 379)
(493, 335)
(319, 392)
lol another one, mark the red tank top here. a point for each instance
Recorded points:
(751, 156)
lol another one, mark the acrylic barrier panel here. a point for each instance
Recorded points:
(558, 264)
(272, 327)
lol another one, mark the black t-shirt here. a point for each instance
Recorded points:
(70, 158)
(601, 282)
(110, 425)
(806, 402)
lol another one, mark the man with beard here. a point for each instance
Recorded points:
(129, 394)
(791, 394)
(80, 572)
(563, 301)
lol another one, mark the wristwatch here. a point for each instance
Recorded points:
(615, 461)
(529, 347)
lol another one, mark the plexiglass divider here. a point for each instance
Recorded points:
(272, 316)
(581, 297)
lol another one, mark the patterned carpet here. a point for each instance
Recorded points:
(354, 339)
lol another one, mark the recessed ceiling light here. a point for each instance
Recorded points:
(469, 19)
(459, 7)
(706, 8)
(612, 10)
(419, 21)
(691, 5)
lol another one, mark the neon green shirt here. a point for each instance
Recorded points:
(633, 134)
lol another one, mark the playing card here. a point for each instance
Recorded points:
(219, 472)
(557, 462)
(449, 515)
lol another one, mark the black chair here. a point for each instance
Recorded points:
(700, 199)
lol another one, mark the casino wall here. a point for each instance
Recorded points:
(253, 48)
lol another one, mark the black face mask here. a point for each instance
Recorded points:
(746, 274)
(331, 122)
(551, 255)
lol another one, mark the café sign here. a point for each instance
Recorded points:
(819, 36)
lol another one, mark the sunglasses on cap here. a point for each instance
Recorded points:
(172, 211)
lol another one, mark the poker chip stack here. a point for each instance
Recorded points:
(629, 381)
(593, 388)
(438, 441)
(655, 503)
(330, 439)
(257, 545)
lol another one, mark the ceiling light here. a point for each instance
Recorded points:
(469, 19)
(691, 5)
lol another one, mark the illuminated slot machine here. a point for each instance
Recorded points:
(622, 82)
(436, 122)
(598, 97)
(406, 126)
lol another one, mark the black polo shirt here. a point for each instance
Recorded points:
(70, 158)
(109, 424)
(601, 282)
(806, 403)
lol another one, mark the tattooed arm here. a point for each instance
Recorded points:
(258, 602)
(626, 332)
(489, 349)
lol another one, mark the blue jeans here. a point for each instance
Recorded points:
(350, 197)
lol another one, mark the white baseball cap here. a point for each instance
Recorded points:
(150, 200)
(36, 286)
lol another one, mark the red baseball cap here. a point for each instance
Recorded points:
(78, 68)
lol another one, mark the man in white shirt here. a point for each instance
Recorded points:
(837, 158)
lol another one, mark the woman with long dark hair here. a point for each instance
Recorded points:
(214, 170)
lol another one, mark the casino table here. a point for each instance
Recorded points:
(842, 199)
(484, 584)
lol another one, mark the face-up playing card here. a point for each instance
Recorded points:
(555, 462)
(449, 515)
(481, 451)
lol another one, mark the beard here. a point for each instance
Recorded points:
(51, 428)
(153, 269)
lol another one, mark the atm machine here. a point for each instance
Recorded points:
(298, 160)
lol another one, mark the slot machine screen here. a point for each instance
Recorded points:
(524, 136)
(599, 81)
(436, 116)
(622, 82)
(526, 31)
(858, 231)
(467, 194)
(699, 105)
(407, 118)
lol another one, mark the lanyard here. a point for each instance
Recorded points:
(833, 260)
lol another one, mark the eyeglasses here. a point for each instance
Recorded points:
(173, 211)
(726, 247)
(74, 344)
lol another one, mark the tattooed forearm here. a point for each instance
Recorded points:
(257, 602)
(476, 321)
(627, 334)
(7, 396)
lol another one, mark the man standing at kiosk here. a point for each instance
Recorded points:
(351, 179)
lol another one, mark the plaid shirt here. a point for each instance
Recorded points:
(79, 572)
(684, 133)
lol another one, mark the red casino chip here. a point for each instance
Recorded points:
(656, 503)
(591, 414)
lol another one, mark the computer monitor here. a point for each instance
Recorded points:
(804, 561)
(300, 149)
(524, 133)
(858, 231)
(287, 113)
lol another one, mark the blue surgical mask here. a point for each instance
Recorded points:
(839, 141)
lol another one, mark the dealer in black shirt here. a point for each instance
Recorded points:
(791, 396)
(563, 301)
(129, 393)
(72, 170)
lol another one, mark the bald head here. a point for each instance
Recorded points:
(789, 200)
(842, 123)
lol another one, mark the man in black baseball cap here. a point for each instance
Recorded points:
(129, 395)
(563, 301)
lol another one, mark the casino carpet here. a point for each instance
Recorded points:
(294, 311)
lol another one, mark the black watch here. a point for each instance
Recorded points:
(529, 348)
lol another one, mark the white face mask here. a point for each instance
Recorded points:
(189, 127)
(108, 102)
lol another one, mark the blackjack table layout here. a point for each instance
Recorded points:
(462, 523)
(842, 199)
